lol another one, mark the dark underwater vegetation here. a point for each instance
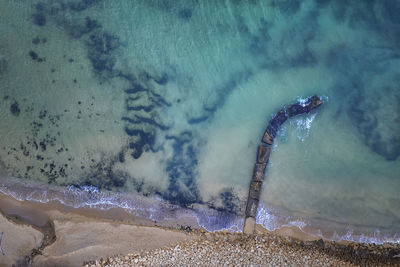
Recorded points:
(169, 100)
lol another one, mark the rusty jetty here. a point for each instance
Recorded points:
(263, 153)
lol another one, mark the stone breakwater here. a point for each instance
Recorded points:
(263, 154)
(225, 249)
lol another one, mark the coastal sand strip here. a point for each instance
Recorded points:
(79, 234)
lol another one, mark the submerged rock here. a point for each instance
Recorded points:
(264, 151)
(263, 154)
(259, 172)
(14, 108)
(251, 208)
(299, 108)
(255, 190)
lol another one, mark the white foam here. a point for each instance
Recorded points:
(273, 221)
(153, 208)
(303, 126)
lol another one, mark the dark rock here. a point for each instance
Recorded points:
(121, 157)
(43, 145)
(181, 170)
(136, 87)
(230, 201)
(251, 208)
(276, 122)
(81, 5)
(289, 111)
(320, 243)
(14, 108)
(36, 40)
(91, 24)
(163, 80)
(185, 13)
(263, 154)
(33, 55)
(255, 189)
(39, 19)
(198, 119)
(268, 138)
(296, 109)
(289, 7)
(315, 102)
(259, 172)
(104, 43)
(301, 108)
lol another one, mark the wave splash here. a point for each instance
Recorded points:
(272, 221)
(158, 210)
(155, 208)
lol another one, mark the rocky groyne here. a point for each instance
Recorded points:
(263, 154)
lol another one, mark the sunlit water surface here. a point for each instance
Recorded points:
(168, 100)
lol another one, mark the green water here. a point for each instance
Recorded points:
(171, 98)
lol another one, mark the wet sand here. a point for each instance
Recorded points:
(78, 234)
(54, 235)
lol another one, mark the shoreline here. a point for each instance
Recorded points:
(70, 236)
(154, 211)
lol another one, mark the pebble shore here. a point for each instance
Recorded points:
(225, 249)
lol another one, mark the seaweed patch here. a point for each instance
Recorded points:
(288, 7)
(380, 134)
(102, 174)
(181, 170)
(141, 117)
(185, 13)
(14, 108)
(34, 56)
(39, 19)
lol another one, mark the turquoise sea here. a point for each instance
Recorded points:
(158, 107)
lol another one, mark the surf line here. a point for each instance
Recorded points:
(264, 151)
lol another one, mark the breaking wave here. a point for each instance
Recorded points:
(155, 208)
(273, 220)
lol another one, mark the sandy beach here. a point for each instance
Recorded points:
(75, 237)
(40, 234)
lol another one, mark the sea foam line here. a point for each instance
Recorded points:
(273, 221)
(154, 208)
(157, 209)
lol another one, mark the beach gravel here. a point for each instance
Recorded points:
(224, 249)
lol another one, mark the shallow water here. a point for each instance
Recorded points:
(170, 99)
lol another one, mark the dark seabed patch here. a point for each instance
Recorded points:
(39, 19)
(288, 7)
(14, 108)
(185, 13)
(378, 132)
(368, 104)
(181, 170)
(143, 101)
(162, 111)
